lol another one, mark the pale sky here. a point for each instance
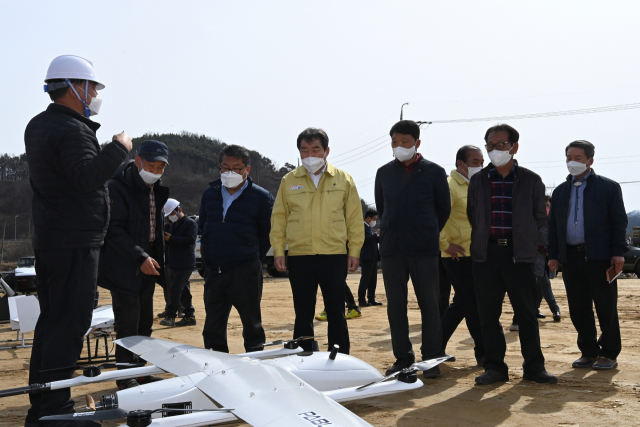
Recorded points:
(257, 73)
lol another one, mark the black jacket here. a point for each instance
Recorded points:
(528, 216)
(369, 251)
(69, 174)
(182, 244)
(605, 219)
(412, 208)
(243, 234)
(127, 240)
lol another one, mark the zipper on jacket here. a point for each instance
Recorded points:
(514, 260)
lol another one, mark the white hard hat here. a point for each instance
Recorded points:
(72, 67)
(170, 206)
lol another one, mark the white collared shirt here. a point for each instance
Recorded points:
(316, 178)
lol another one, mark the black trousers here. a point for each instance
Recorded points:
(445, 288)
(348, 298)
(465, 303)
(133, 314)
(180, 295)
(66, 283)
(544, 290)
(306, 272)
(368, 281)
(491, 279)
(586, 285)
(240, 287)
(424, 274)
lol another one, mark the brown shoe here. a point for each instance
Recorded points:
(584, 362)
(605, 364)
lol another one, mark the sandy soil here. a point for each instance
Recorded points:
(582, 397)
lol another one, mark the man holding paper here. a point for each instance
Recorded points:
(587, 235)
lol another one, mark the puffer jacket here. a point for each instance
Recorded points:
(127, 240)
(69, 173)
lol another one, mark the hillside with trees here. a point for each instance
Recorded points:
(193, 165)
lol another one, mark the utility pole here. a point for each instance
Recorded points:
(401, 108)
(15, 227)
(4, 231)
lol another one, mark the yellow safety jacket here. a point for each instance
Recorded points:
(317, 221)
(457, 229)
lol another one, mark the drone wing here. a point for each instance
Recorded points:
(260, 393)
(263, 394)
(178, 359)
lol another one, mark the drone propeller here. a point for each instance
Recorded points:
(91, 404)
(407, 371)
(93, 370)
(281, 342)
(408, 374)
(114, 414)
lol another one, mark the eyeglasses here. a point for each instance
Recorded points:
(497, 145)
(236, 170)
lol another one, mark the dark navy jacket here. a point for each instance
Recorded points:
(412, 209)
(605, 219)
(240, 237)
(182, 244)
(369, 251)
(127, 240)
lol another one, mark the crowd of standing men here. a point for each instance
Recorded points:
(101, 221)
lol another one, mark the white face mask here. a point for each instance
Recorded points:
(174, 218)
(372, 224)
(95, 105)
(473, 170)
(230, 179)
(576, 168)
(148, 177)
(313, 164)
(500, 158)
(404, 154)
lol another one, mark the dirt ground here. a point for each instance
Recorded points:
(582, 397)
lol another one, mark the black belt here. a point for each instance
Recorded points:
(579, 248)
(501, 242)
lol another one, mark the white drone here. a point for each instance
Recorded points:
(285, 387)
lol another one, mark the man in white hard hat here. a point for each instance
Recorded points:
(181, 240)
(69, 171)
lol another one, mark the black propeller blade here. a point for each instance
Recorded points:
(406, 371)
(114, 414)
(93, 370)
(281, 342)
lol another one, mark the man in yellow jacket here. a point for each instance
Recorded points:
(455, 240)
(318, 213)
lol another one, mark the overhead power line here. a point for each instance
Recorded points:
(541, 115)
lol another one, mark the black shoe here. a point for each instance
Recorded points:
(148, 379)
(450, 357)
(584, 362)
(26, 424)
(556, 316)
(399, 366)
(168, 321)
(541, 316)
(363, 304)
(491, 376)
(542, 377)
(128, 383)
(432, 373)
(374, 302)
(163, 314)
(605, 364)
(187, 321)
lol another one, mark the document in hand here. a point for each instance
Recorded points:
(611, 273)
